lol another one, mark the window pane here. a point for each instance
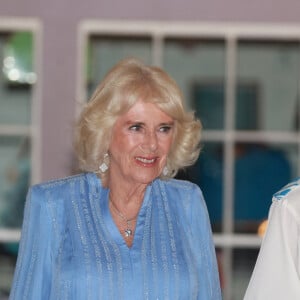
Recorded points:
(260, 171)
(247, 106)
(198, 68)
(7, 266)
(243, 261)
(16, 78)
(268, 85)
(208, 174)
(105, 51)
(243, 264)
(208, 102)
(14, 179)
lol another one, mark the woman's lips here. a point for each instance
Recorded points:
(146, 161)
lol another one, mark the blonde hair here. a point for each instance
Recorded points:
(125, 84)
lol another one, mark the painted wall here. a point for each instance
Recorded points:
(60, 19)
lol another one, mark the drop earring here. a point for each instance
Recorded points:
(165, 171)
(104, 167)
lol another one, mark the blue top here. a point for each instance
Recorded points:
(71, 248)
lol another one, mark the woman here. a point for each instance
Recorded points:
(123, 229)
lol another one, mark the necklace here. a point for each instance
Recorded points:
(128, 230)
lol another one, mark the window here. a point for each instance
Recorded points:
(243, 82)
(19, 142)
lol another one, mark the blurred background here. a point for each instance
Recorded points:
(238, 66)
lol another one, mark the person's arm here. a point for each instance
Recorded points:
(32, 278)
(276, 273)
(204, 246)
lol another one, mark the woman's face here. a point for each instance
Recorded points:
(141, 141)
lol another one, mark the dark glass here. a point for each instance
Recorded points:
(260, 171)
(198, 67)
(268, 77)
(8, 256)
(243, 264)
(16, 78)
(104, 51)
(207, 173)
(14, 179)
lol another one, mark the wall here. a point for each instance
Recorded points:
(60, 19)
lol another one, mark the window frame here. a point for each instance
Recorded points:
(228, 136)
(32, 130)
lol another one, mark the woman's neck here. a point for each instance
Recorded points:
(125, 202)
(126, 193)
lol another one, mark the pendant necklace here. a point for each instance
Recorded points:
(128, 232)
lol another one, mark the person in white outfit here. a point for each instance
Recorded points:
(276, 274)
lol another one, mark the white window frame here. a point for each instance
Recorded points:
(230, 33)
(31, 130)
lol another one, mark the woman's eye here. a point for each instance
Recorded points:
(165, 128)
(136, 127)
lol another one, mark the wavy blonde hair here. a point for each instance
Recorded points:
(125, 84)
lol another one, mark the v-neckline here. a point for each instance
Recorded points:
(112, 229)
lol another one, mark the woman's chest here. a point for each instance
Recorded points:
(92, 258)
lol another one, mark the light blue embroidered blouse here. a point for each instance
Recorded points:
(71, 249)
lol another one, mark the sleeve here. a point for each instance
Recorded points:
(276, 274)
(32, 277)
(203, 241)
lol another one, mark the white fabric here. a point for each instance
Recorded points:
(276, 273)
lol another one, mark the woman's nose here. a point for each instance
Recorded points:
(150, 142)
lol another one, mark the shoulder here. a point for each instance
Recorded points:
(187, 202)
(65, 182)
(56, 189)
(61, 182)
(180, 186)
(290, 192)
(183, 194)
(55, 198)
(289, 195)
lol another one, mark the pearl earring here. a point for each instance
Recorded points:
(104, 167)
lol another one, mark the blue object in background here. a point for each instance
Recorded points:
(260, 171)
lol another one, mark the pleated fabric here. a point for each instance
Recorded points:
(71, 249)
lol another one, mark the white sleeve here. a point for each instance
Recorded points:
(276, 273)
